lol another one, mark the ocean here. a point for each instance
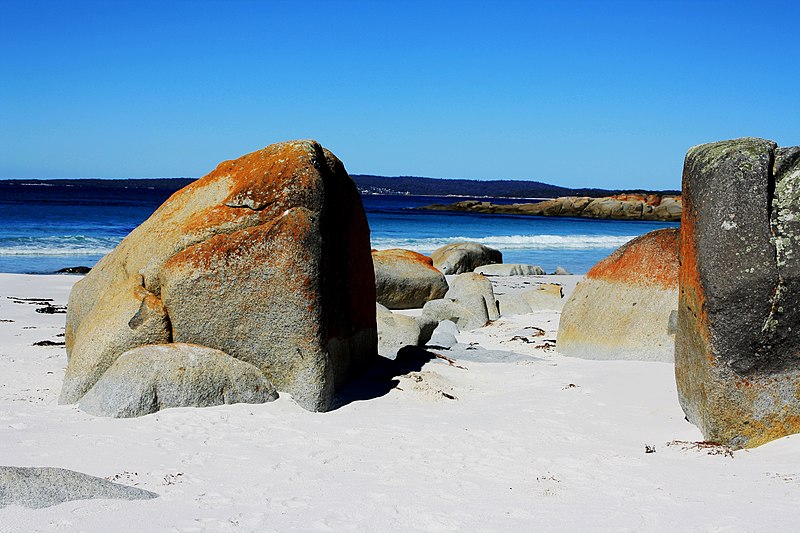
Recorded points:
(44, 228)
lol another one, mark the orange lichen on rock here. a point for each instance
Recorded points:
(401, 254)
(651, 259)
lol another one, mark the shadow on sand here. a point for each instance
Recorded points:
(382, 376)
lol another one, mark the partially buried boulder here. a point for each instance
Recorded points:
(510, 269)
(406, 279)
(737, 356)
(39, 487)
(460, 257)
(266, 258)
(470, 304)
(395, 331)
(622, 309)
(158, 376)
(544, 297)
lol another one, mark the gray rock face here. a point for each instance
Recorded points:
(460, 257)
(510, 269)
(406, 279)
(159, 376)
(545, 297)
(561, 271)
(38, 487)
(266, 258)
(470, 303)
(395, 331)
(736, 357)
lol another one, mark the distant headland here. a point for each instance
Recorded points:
(371, 184)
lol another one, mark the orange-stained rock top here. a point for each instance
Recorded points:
(399, 254)
(651, 259)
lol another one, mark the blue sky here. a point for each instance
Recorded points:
(603, 94)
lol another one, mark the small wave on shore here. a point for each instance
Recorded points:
(57, 245)
(510, 242)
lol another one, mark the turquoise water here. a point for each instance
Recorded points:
(46, 228)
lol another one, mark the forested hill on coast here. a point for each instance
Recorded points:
(476, 188)
(367, 184)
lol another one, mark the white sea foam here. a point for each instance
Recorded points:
(511, 242)
(61, 245)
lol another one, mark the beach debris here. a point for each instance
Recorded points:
(431, 384)
(6, 320)
(736, 364)
(649, 448)
(48, 343)
(52, 309)
(450, 361)
(173, 479)
(622, 307)
(710, 448)
(546, 346)
(464, 256)
(34, 301)
(569, 386)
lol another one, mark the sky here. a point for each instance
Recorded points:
(580, 94)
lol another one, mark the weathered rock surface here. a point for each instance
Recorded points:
(406, 279)
(159, 376)
(622, 309)
(266, 258)
(395, 331)
(470, 303)
(510, 269)
(737, 356)
(544, 297)
(38, 487)
(619, 207)
(461, 257)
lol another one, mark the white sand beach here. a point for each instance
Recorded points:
(538, 442)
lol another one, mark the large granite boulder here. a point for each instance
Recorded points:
(622, 309)
(38, 487)
(470, 304)
(406, 279)
(158, 376)
(266, 258)
(737, 355)
(460, 257)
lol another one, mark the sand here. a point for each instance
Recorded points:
(541, 443)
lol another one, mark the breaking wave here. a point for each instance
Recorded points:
(511, 242)
(63, 245)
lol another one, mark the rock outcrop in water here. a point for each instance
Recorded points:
(266, 259)
(618, 207)
(466, 256)
(622, 309)
(737, 357)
